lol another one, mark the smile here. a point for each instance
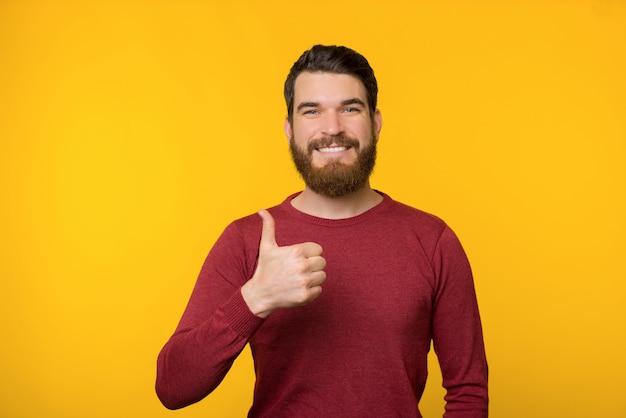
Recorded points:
(333, 149)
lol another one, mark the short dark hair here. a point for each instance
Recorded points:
(332, 59)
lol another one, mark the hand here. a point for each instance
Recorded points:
(285, 276)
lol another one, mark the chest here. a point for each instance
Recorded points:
(377, 287)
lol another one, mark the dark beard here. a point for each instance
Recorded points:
(335, 179)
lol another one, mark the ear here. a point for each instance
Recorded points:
(287, 128)
(377, 123)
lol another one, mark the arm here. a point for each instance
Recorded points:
(226, 308)
(457, 332)
(214, 329)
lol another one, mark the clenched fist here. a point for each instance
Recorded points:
(285, 276)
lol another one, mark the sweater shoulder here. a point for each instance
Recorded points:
(417, 217)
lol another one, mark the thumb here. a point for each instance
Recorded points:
(268, 233)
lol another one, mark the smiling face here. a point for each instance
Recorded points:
(333, 135)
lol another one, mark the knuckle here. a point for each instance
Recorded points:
(303, 282)
(301, 265)
(301, 298)
(297, 251)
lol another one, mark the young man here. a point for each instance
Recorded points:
(339, 290)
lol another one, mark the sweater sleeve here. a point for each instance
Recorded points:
(457, 332)
(214, 328)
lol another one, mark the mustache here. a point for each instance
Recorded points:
(327, 141)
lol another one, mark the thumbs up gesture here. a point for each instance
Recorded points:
(285, 276)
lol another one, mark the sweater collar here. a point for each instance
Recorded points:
(363, 217)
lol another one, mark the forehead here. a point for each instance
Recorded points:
(327, 87)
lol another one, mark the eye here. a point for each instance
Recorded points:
(351, 110)
(310, 112)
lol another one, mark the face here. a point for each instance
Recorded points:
(332, 136)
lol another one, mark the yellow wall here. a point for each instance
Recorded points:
(132, 132)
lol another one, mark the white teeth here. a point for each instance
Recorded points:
(332, 149)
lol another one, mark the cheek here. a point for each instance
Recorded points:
(360, 126)
(363, 135)
(304, 132)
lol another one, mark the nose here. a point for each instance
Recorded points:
(332, 124)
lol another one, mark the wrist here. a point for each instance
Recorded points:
(255, 303)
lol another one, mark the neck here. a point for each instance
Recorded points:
(341, 207)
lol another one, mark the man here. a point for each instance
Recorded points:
(339, 290)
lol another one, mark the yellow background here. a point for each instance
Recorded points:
(132, 132)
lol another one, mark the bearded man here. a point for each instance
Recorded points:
(393, 278)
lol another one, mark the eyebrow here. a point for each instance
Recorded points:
(343, 103)
(353, 101)
(307, 104)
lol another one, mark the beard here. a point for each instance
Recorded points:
(335, 179)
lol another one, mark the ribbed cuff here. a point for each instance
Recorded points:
(239, 316)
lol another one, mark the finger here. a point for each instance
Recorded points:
(268, 233)
(317, 278)
(317, 263)
(310, 249)
(314, 293)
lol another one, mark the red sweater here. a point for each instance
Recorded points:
(397, 278)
